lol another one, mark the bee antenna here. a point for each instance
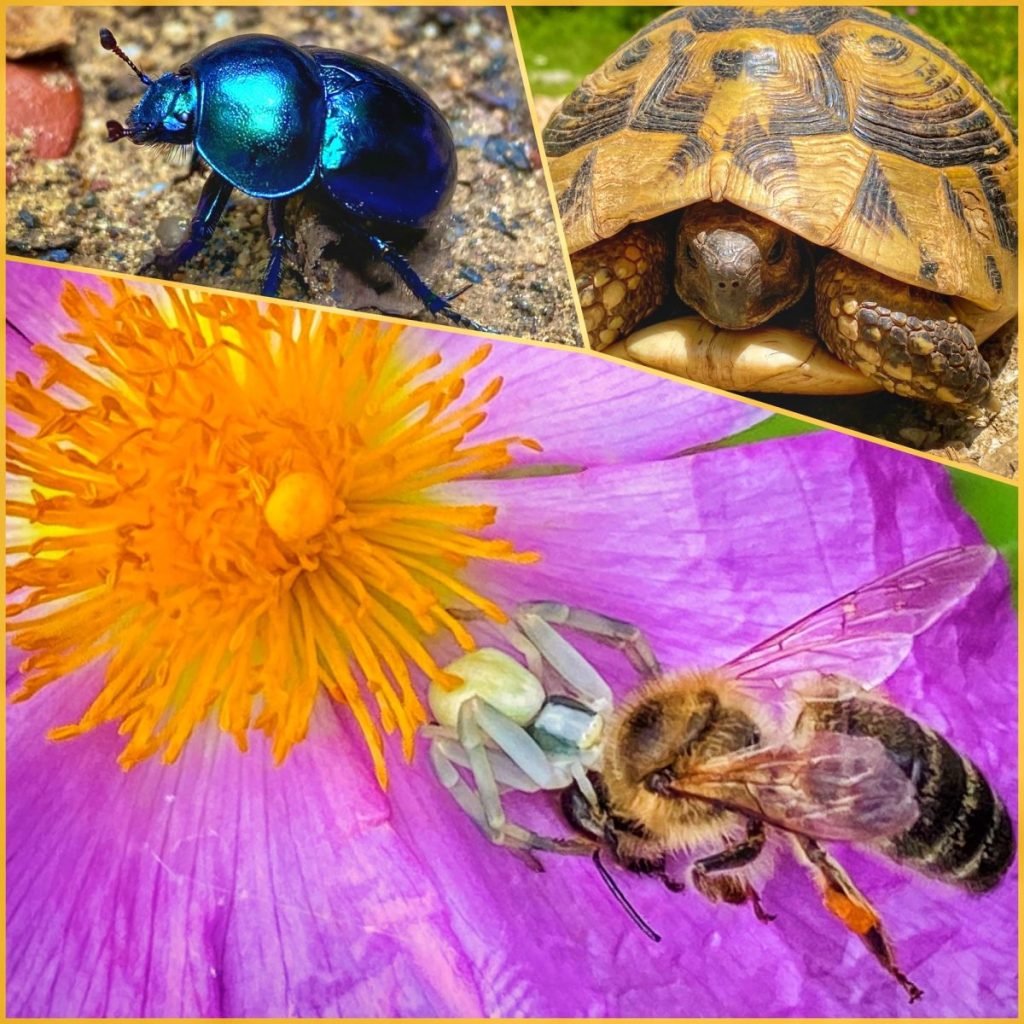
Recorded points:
(108, 42)
(628, 907)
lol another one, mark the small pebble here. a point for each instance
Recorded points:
(35, 30)
(494, 220)
(58, 255)
(44, 105)
(171, 231)
(471, 275)
(27, 219)
(89, 200)
(914, 436)
(175, 33)
(507, 154)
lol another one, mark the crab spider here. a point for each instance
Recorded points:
(528, 727)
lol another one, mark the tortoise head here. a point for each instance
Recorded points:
(735, 268)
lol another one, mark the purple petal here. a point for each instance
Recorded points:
(588, 411)
(34, 312)
(712, 554)
(224, 886)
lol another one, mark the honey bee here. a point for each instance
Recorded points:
(786, 743)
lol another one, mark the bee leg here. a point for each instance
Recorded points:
(625, 636)
(851, 906)
(711, 880)
(652, 868)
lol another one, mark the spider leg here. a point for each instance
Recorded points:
(479, 722)
(616, 633)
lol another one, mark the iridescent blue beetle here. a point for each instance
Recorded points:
(273, 119)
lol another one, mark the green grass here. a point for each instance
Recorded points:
(562, 44)
(993, 505)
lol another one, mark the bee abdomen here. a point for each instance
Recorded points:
(963, 834)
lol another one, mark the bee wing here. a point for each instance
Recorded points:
(833, 787)
(868, 632)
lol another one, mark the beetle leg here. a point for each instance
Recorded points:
(195, 164)
(212, 201)
(278, 242)
(434, 302)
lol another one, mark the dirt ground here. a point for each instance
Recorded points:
(989, 443)
(110, 206)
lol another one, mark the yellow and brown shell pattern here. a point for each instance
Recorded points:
(845, 125)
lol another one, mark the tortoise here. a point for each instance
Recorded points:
(837, 148)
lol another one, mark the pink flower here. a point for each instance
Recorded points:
(222, 884)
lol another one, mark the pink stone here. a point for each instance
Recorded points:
(44, 105)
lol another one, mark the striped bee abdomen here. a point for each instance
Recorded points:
(963, 834)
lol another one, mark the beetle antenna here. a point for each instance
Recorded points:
(108, 42)
(628, 907)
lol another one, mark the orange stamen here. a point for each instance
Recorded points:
(238, 506)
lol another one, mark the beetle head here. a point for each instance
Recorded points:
(167, 109)
(166, 112)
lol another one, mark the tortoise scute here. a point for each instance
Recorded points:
(672, 104)
(632, 54)
(1002, 211)
(586, 116)
(843, 125)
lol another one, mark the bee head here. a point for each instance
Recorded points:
(659, 730)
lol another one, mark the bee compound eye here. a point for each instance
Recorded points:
(659, 782)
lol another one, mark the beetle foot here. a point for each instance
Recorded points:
(461, 321)
(434, 302)
(162, 265)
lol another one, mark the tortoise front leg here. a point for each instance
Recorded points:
(905, 338)
(620, 281)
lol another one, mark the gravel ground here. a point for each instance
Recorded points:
(990, 444)
(111, 206)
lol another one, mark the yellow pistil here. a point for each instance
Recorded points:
(300, 506)
(230, 506)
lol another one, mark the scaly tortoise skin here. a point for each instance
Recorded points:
(847, 128)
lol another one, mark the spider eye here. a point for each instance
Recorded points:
(775, 253)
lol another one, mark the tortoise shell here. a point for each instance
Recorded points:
(844, 125)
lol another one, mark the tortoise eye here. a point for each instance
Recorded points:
(776, 252)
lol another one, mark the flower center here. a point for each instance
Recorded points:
(299, 507)
(233, 508)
